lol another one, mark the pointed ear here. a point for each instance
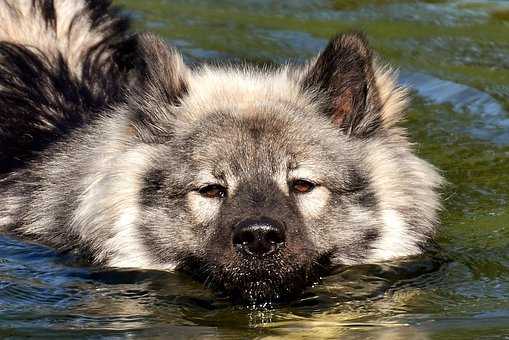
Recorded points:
(164, 82)
(164, 70)
(343, 79)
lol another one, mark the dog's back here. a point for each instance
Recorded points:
(61, 62)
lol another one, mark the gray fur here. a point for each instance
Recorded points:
(124, 189)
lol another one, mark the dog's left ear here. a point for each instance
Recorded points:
(165, 71)
(343, 79)
(164, 83)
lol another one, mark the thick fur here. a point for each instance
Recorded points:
(121, 180)
(61, 62)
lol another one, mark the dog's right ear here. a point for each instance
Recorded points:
(357, 97)
(163, 75)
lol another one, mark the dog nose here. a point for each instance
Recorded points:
(260, 237)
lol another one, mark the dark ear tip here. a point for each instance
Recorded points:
(154, 51)
(149, 42)
(353, 40)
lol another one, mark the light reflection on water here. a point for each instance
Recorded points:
(41, 291)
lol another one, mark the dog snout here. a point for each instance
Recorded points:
(258, 237)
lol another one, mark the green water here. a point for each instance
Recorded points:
(455, 56)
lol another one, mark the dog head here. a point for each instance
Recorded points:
(259, 180)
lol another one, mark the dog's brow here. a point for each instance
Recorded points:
(219, 174)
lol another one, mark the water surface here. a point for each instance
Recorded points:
(454, 55)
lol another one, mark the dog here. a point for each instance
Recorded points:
(256, 180)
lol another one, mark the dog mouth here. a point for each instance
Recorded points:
(262, 290)
(257, 282)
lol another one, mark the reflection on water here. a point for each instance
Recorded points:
(466, 100)
(44, 292)
(454, 55)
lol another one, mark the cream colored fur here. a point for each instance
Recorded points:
(72, 37)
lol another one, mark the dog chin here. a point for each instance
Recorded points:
(257, 284)
(264, 292)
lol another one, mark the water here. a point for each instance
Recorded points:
(455, 56)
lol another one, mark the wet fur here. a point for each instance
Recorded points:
(106, 138)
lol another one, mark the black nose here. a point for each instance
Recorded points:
(258, 237)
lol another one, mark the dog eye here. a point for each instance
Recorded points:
(301, 186)
(213, 191)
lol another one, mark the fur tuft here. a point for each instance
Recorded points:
(393, 97)
(61, 62)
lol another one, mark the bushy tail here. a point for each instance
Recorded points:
(61, 62)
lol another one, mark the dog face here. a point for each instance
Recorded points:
(259, 181)
(264, 216)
